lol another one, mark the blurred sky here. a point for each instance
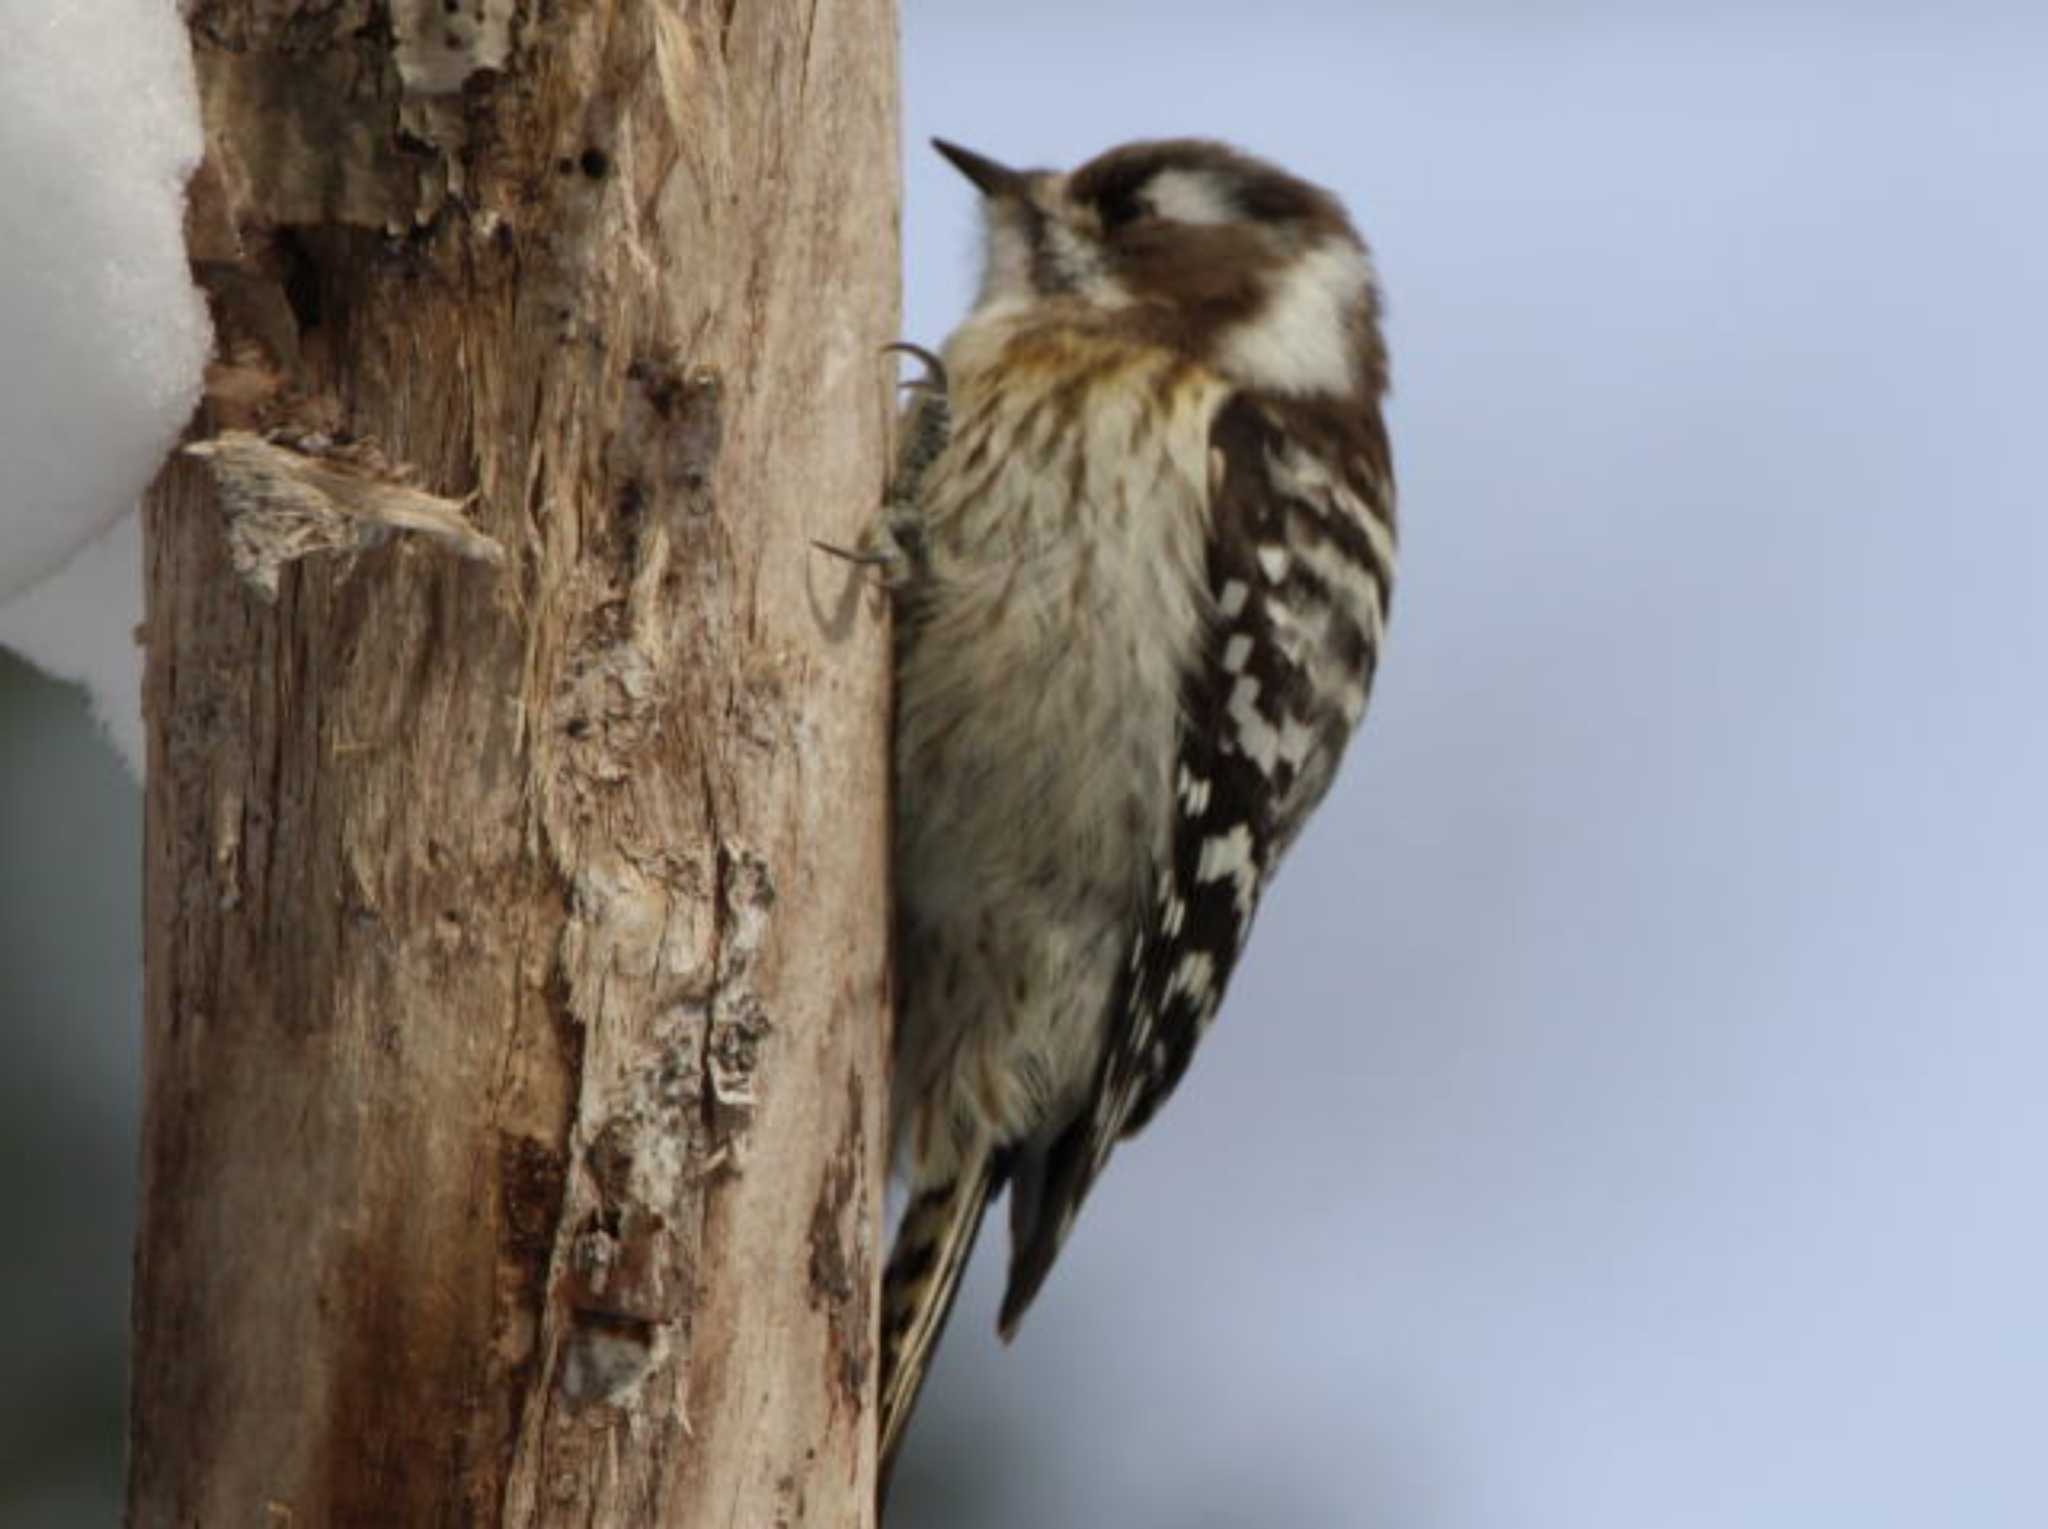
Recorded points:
(1628, 1110)
(70, 1006)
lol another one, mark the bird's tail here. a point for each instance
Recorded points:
(932, 1244)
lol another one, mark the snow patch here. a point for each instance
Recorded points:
(104, 334)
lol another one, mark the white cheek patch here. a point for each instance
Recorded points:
(1077, 258)
(1006, 258)
(1065, 257)
(1182, 196)
(1299, 342)
(1077, 261)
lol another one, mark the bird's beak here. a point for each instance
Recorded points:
(992, 178)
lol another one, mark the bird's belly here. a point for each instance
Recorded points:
(1025, 818)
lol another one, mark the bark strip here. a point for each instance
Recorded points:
(515, 926)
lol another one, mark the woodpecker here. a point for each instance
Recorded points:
(1139, 549)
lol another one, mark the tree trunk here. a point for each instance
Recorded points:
(515, 927)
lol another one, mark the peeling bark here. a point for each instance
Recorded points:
(515, 936)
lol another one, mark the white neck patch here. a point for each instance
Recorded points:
(1300, 341)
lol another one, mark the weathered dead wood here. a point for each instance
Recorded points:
(516, 934)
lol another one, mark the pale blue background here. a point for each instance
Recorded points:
(1628, 1112)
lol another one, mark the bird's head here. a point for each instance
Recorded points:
(1252, 271)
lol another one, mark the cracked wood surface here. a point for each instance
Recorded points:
(516, 933)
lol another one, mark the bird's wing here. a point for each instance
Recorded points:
(1300, 567)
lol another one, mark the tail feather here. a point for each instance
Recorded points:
(1046, 1192)
(932, 1244)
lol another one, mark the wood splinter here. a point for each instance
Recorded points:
(284, 503)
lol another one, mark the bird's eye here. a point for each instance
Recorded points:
(1121, 208)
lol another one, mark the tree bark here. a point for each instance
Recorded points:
(516, 952)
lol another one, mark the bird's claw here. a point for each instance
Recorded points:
(934, 378)
(859, 559)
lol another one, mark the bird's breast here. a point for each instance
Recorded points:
(1040, 671)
